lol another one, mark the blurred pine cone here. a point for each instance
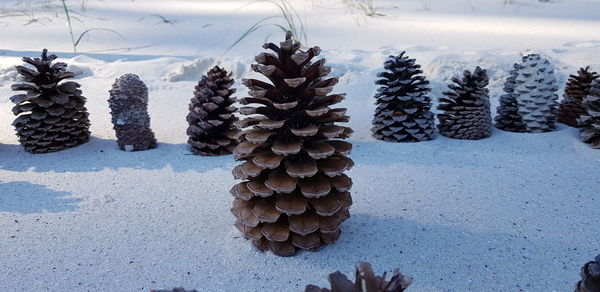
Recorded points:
(366, 281)
(590, 277)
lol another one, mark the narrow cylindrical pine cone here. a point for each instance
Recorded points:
(590, 121)
(590, 277)
(366, 281)
(403, 105)
(211, 118)
(295, 193)
(466, 108)
(51, 115)
(530, 102)
(129, 110)
(578, 87)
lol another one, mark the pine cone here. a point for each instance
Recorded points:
(128, 103)
(366, 281)
(508, 118)
(577, 89)
(211, 115)
(51, 116)
(466, 110)
(403, 105)
(294, 193)
(531, 100)
(590, 121)
(590, 277)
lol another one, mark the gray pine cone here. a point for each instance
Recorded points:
(129, 109)
(530, 102)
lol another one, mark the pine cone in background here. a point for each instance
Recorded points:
(211, 115)
(51, 116)
(508, 118)
(590, 277)
(129, 110)
(466, 109)
(532, 89)
(403, 105)
(578, 87)
(366, 281)
(294, 193)
(590, 121)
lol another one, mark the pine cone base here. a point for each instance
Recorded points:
(366, 281)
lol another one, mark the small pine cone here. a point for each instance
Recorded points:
(590, 121)
(51, 115)
(578, 87)
(590, 277)
(403, 105)
(128, 103)
(211, 118)
(508, 118)
(294, 193)
(466, 108)
(366, 281)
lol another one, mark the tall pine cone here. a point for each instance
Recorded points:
(590, 277)
(403, 105)
(366, 281)
(128, 103)
(529, 104)
(466, 109)
(294, 193)
(51, 116)
(212, 116)
(578, 87)
(590, 121)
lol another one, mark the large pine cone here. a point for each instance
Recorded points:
(294, 193)
(211, 116)
(590, 277)
(128, 103)
(466, 108)
(578, 87)
(403, 105)
(51, 115)
(366, 281)
(590, 121)
(531, 99)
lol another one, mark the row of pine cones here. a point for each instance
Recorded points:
(52, 114)
(528, 105)
(367, 281)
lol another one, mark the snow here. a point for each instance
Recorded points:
(514, 212)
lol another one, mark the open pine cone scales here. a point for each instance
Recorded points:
(403, 105)
(590, 277)
(578, 87)
(530, 102)
(466, 108)
(366, 281)
(294, 193)
(211, 130)
(589, 122)
(51, 115)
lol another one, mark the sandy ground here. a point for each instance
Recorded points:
(515, 212)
